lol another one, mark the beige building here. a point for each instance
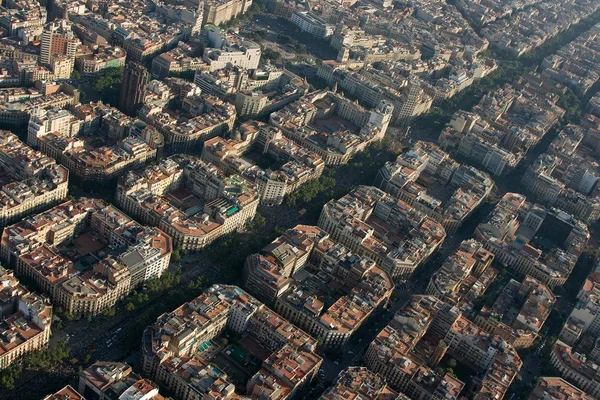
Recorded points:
(36, 181)
(273, 276)
(96, 290)
(65, 393)
(508, 232)
(390, 356)
(95, 63)
(467, 187)
(464, 276)
(178, 348)
(522, 330)
(217, 12)
(177, 60)
(355, 221)
(298, 165)
(88, 225)
(250, 103)
(62, 66)
(99, 165)
(104, 379)
(576, 368)
(26, 319)
(228, 203)
(360, 383)
(548, 387)
(585, 317)
(205, 118)
(349, 127)
(400, 354)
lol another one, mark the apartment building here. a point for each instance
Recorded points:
(17, 112)
(400, 354)
(390, 356)
(427, 166)
(225, 49)
(85, 254)
(367, 218)
(575, 367)
(522, 329)
(200, 118)
(464, 276)
(289, 272)
(103, 380)
(585, 316)
(567, 175)
(95, 63)
(171, 357)
(53, 120)
(58, 38)
(100, 165)
(161, 195)
(513, 231)
(298, 165)
(548, 387)
(331, 125)
(360, 383)
(66, 392)
(177, 60)
(26, 319)
(311, 23)
(20, 15)
(33, 181)
(216, 12)
(494, 135)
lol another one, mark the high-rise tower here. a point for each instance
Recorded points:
(58, 39)
(135, 78)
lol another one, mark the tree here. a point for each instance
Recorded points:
(300, 48)
(200, 283)
(75, 75)
(452, 363)
(572, 106)
(10, 376)
(109, 312)
(270, 54)
(176, 255)
(258, 222)
(285, 39)
(129, 307)
(109, 85)
(187, 75)
(47, 359)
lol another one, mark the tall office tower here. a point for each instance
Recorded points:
(197, 28)
(135, 78)
(58, 39)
